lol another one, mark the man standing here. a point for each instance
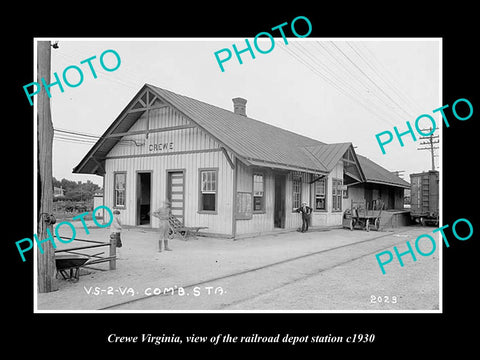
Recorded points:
(116, 230)
(163, 213)
(306, 211)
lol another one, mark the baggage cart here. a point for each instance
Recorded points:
(361, 217)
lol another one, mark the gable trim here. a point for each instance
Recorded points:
(148, 131)
(151, 97)
(351, 151)
(186, 152)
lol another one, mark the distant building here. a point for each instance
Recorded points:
(226, 171)
(98, 201)
(58, 191)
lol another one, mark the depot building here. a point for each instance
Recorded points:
(227, 172)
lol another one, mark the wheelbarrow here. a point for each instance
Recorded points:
(69, 266)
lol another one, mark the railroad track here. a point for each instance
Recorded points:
(268, 266)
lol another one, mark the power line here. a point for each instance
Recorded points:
(65, 135)
(73, 139)
(388, 76)
(388, 98)
(373, 82)
(360, 94)
(312, 69)
(355, 77)
(381, 77)
(334, 78)
(342, 68)
(328, 80)
(77, 133)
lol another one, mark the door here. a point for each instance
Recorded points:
(279, 206)
(144, 181)
(176, 193)
(368, 195)
(391, 199)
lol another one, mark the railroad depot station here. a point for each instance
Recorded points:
(224, 171)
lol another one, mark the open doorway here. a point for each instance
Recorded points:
(144, 185)
(279, 206)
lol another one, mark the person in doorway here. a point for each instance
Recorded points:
(116, 229)
(163, 213)
(306, 211)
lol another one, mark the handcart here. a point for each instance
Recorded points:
(176, 227)
(361, 217)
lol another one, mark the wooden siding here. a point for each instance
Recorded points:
(293, 219)
(356, 193)
(183, 140)
(335, 217)
(219, 223)
(189, 150)
(392, 197)
(260, 221)
(264, 222)
(193, 149)
(330, 217)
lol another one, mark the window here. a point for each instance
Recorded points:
(208, 190)
(258, 192)
(320, 192)
(119, 180)
(296, 191)
(336, 195)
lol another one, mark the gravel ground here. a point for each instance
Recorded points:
(343, 287)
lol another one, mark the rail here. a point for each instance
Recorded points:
(252, 270)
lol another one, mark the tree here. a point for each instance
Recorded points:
(77, 191)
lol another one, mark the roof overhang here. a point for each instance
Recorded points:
(272, 165)
(388, 184)
(94, 160)
(145, 100)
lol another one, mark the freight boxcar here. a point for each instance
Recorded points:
(424, 197)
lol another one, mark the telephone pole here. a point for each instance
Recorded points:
(45, 262)
(429, 144)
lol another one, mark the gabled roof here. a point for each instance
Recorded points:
(248, 138)
(374, 173)
(254, 142)
(327, 154)
(95, 158)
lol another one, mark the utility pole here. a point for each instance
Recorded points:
(46, 269)
(430, 143)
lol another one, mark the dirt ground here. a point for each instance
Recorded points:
(141, 268)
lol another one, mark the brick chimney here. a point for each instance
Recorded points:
(239, 106)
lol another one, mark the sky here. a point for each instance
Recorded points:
(332, 90)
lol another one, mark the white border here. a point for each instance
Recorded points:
(35, 157)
